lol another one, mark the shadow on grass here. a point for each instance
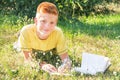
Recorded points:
(107, 30)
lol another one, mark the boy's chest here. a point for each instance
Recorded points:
(43, 44)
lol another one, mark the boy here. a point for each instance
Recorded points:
(44, 38)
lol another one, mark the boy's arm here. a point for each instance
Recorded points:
(44, 66)
(66, 63)
(28, 59)
(27, 55)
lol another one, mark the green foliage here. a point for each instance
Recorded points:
(67, 8)
(49, 56)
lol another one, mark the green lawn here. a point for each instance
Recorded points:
(94, 34)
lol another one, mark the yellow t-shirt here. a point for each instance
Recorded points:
(29, 40)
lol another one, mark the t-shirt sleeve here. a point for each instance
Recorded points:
(24, 40)
(61, 44)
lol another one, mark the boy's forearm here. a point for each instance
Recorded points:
(64, 56)
(27, 55)
(66, 63)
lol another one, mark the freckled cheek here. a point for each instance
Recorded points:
(40, 26)
(52, 28)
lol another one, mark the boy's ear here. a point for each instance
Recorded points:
(35, 21)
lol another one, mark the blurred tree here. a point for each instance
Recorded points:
(67, 8)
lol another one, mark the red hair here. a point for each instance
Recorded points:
(47, 7)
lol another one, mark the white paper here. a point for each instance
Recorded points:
(92, 64)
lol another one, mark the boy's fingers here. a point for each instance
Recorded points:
(53, 68)
(61, 70)
(49, 68)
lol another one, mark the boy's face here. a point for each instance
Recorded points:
(45, 24)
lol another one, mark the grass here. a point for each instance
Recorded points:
(94, 34)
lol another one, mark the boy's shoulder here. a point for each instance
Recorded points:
(58, 29)
(28, 27)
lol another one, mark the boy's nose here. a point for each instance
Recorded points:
(46, 26)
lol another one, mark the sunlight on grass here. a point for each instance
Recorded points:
(95, 34)
(102, 19)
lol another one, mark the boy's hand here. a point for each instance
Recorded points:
(66, 66)
(48, 68)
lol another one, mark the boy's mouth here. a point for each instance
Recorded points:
(44, 32)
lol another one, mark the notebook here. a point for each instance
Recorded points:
(93, 63)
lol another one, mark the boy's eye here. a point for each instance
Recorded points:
(51, 22)
(42, 21)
